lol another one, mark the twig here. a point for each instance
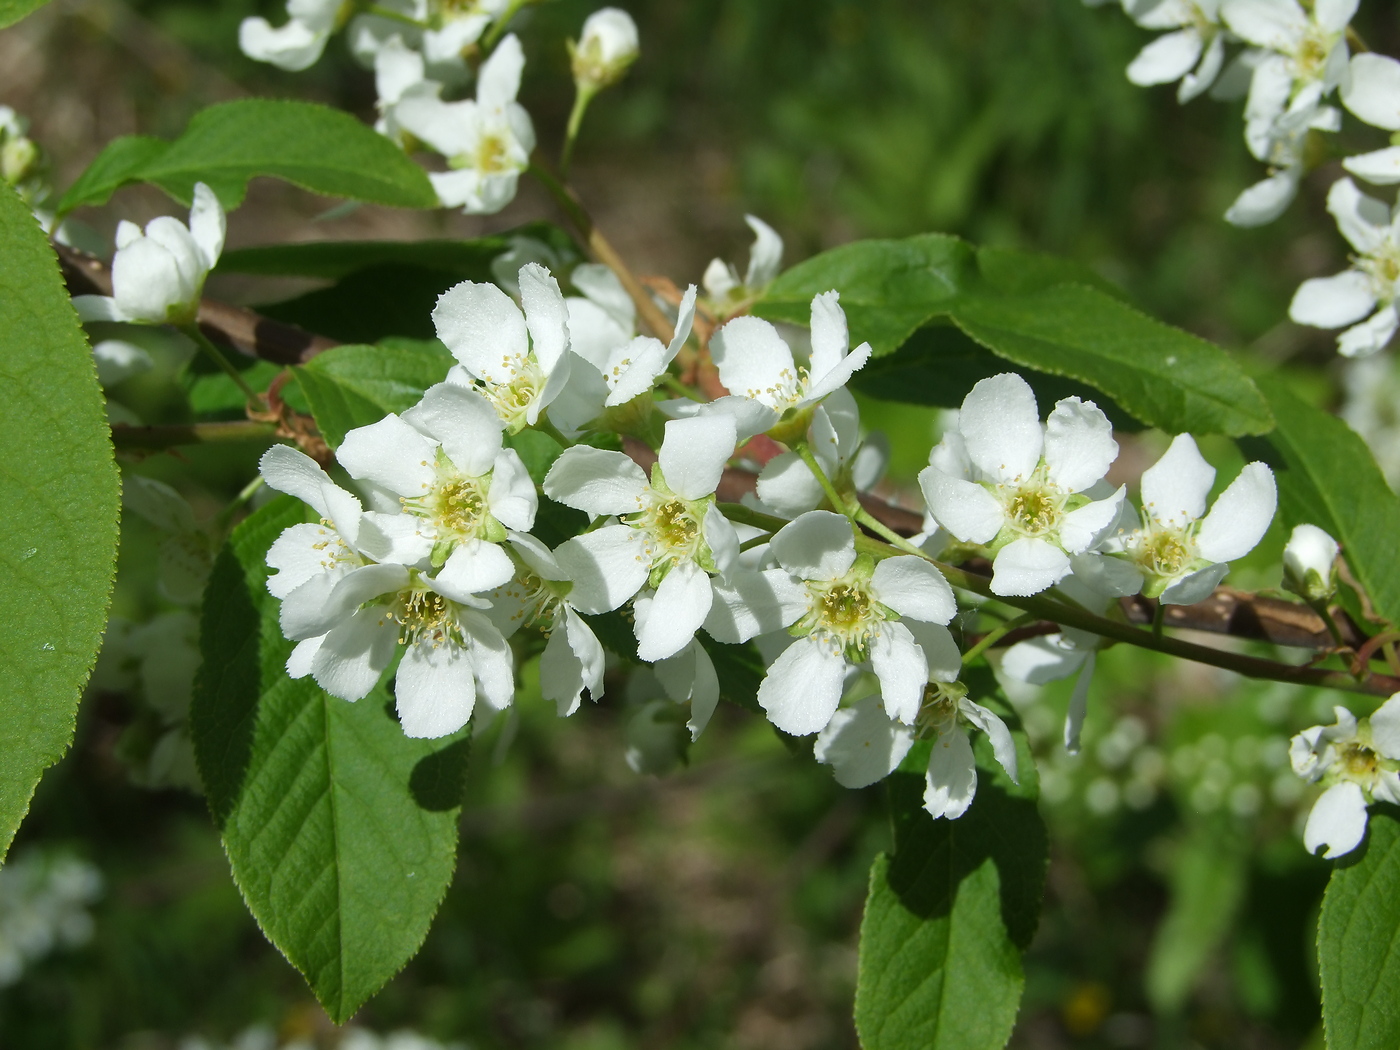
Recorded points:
(170, 436)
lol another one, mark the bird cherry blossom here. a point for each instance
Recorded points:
(158, 275)
(1310, 563)
(787, 486)
(297, 43)
(1181, 551)
(1358, 762)
(1305, 51)
(721, 282)
(1372, 93)
(1018, 487)
(672, 535)
(1363, 296)
(608, 46)
(520, 362)
(1192, 53)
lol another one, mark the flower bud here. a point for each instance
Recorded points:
(18, 158)
(608, 47)
(1308, 563)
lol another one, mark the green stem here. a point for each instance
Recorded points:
(544, 426)
(996, 634)
(1158, 615)
(244, 495)
(878, 527)
(582, 97)
(673, 384)
(838, 504)
(217, 356)
(394, 16)
(1045, 608)
(757, 541)
(1320, 607)
(499, 26)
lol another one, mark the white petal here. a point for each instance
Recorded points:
(299, 553)
(1166, 59)
(1310, 549)
(1079, 444)
(1174, 489)
(390, 454)
(483, 328)
(103, 308)
(631, 369)
(1373, 90)
(1003, 746)
(1333, 15)
(690, 676)
(900, 666)
(512, 497)
(862, 744)
(403, 538)
(1028, 566)
(748, 604)
(830, 337)
(605, 290)
(1273, 24)
(1337, 820)
(803, 687)
(1240, 516)
(607, 567)
(1265, 201)
(788, 487)
(294, 46)
(1330, 302)
(1385, 727)
(1084, 527)
(1196, 587)
(941, 652)
(303, 657)
(681, 604)
(964, 508)
(1079, 704)
(596, 481)
(208, 224)
(685, 321)
(722, 539)
(594, 330)
(766, 255)
(546, 316)
(1204, 75)
(463, 421)
(1001, 428)
(1041, 660)
(353, 656)
(474, 567)
(951, 781)
(838, 376)
(561, 671)
(1370, 336)
(324, 601)
(498, 82)
(817, 546)
(434, 690)
(1380, 167)
(1362, 220)
(297, 474)
(1104, 575)
(752, 359)
(492, 659)
(915, 588)
(694, 452)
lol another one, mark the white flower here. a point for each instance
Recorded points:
(19, 156)
(1307, 51)
(520, 360)
(399, 73)
(608, 46)
(1309, 563)
(539, 597)
(758, 368)
(158, 276)
(1359, 763)
(297, 44)
(1181, 550)
(849, 610)
(673, 535)
(1372, 92)
(1193, 54)
(1019, 485)
(487, 140)
(1279, 140)
(863, 745)
(1366, 292)
(690, 676)
(787, 486)
(349, 613)
(458, 489)
(721, 279)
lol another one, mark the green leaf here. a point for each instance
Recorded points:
(1358, 941)
(1328, 477)
(1165, 377)
(59, 500)
(315, 147)
(1208, 874)
(354, 386)
(740, 671)
(11, 11)
(948, 915)
(341, 831)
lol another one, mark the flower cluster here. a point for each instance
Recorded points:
(1357, 762)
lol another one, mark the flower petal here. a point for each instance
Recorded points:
(1003, 746)
(1330, 302)
(722, 539)
(915, 588)
(1370, 336)
(208, 224)
(752, 359)
(951, 781)
(546, 316)
(900, 666)
(353, 656)
(862, 744)
(463, 422)
(941, 652)
(830, 337)
(788, 487)
(1084, 527)
(498, 81)
(803, 687)
(1028, 566)
(766, 255)
(1362, 220)
(1265, 201)
(964, 508)
(596, 481)
(434, 690)
(390, 454)
(1079, 444)
(299, 553)
(748, 604)
(607, 567)
(681, 604)
(1240, 516)
(512, 497)
(483, 328)
(1379, 167)
(694, 452)
(1079, 704)
(1196, 587)
(1337, 820)
(1001, 428)
(1385, 727)
(1041, 660)
(1372, 92)
(473, 567)
(817, 546)
(1166, 59)
(1174, 489)
(324, 601)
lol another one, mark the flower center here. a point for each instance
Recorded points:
(844, 613)
(939, 711)
(334, 550)
(1166, 551)
(1384, 270)
(1311, 56)
(513, 398)
(492, 155)
(538, 601)
(458, 508)
(423, 615)
(1034, 508)
(785, 392)
(1358, 762)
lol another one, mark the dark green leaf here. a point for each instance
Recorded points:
(949, 913)
(1358, 941)
(354, 386)
(315, 147)
(59, 499)
(1328, 477)
(341, 831)
(1165, 377)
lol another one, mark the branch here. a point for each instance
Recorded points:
(171, 436)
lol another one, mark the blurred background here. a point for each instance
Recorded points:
(713, 902)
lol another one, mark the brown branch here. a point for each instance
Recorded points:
(174, 435)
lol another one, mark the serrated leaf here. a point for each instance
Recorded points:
(1328, 477)
(1165, 377)
(948, 915)
(11, 11)
(1358, 941)
(341, 832)
(59, 500)
(315, 147)
(354, 386)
